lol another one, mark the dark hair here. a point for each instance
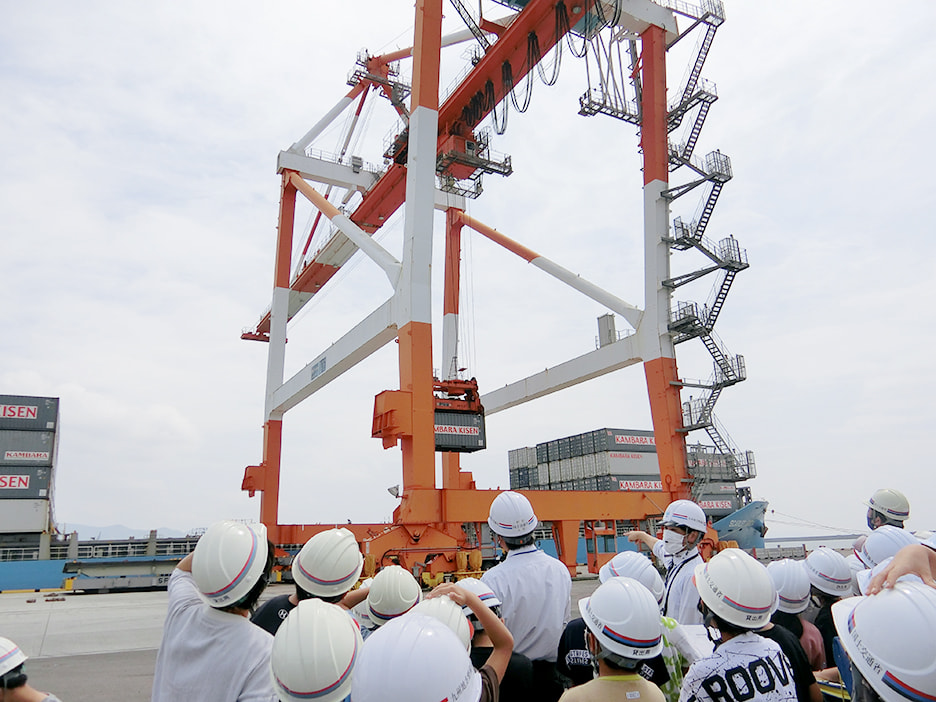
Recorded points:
(302, 594)
(825, 599)
(616, 662)
(788, 621)
(727, 627)
(13, 678)
(515, 542)
(249, 601)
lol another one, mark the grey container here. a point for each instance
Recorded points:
(29, 413)
(30, 448)
(25, 483)
(565, 448)
(624, 439)
(542, 453)
(24, 516)
(459, 431)
(552, 449)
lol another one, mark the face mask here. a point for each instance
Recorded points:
(673, 542)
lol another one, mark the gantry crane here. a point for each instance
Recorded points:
(435, 162)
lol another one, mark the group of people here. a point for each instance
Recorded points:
(673, 629)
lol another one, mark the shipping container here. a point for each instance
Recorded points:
(29, 413)
(459, 431)
(30, 448)
(630, 439)
(552, 449)
(521, 457)
(591, 465)
(565, 469)
(24, 516)
(542, 453)
(578, 467)
(523, 477)
(627, 463)
(577, 445)
(25, 482)
(588, 443)
(555, 473)
(565, 448)
(543, 474)
(514, 477)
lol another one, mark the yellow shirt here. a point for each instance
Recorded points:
(615, 688)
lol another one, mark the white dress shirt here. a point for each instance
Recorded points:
(680, 597)
(535, 590)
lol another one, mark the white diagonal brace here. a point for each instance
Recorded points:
(377, 253)
(594, 364)
(373, 332)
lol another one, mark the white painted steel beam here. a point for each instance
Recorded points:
(323, 123)
(628, 311)
(591, 365)
(377, 253)
(328, 172)
(373, 332)
(638, 15)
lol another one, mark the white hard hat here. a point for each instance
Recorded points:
(511, 515)
(479, 588)
(10, 656)
(792, 583)
(828, 571)
(685, 513)
(418, 659)
(450, 614)
(484, 593)
(631, 564)
(228, 560)
(889, 637)
(393, 592)
(314, 652)
(857, 568)
(891, 503)
(329, 564)
(737, 588)
(882, 543)
(625, 618)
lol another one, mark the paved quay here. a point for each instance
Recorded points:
(102, 648)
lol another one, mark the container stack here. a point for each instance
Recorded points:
(28, 443)
(620, 459)
(605, 459)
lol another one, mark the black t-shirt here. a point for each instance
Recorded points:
(826, 627)
(793, 649)
(518, 680)
(574, 662)
(272, 613)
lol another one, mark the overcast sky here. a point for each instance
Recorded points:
(138, 203)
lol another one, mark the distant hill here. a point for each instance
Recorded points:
(115, 531)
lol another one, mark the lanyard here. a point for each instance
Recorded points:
(671, 578)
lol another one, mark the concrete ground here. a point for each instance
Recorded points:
(102, 648)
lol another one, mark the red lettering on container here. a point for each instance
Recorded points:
(19, 411)
(26, 456)
(450, 429)
(631, 439)
(14, 482)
